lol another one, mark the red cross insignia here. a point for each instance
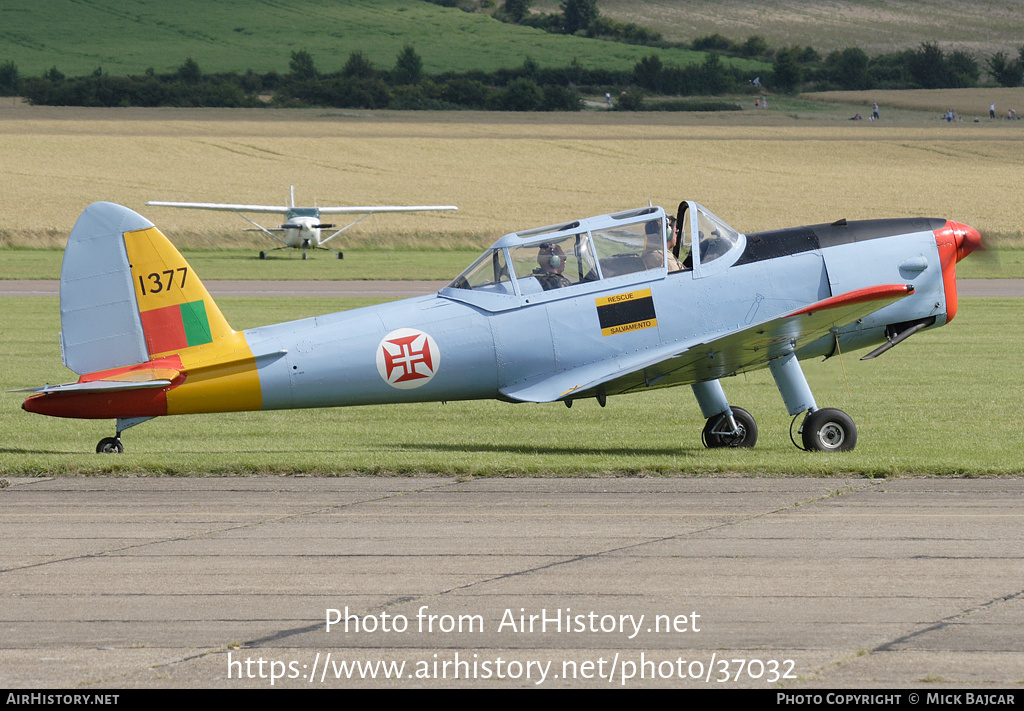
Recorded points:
(407, 358)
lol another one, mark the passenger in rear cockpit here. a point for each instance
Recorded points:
(656, 247)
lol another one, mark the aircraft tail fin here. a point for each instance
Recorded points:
(127, 296)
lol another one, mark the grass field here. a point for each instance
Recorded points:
(876, 26)
(400, 264)
(130, 36)
(393, 264)
(941, 403)
(505, 172)
(260, 35)
(945, 402)
(971, 104)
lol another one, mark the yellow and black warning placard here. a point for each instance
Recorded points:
(621, 313)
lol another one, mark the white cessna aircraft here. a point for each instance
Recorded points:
(302, 226)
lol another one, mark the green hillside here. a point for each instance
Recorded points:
(130, 36)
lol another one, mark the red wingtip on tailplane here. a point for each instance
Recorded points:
(955, 241)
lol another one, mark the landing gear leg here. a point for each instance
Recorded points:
(112, 445)
(726, 426)
(825, 430)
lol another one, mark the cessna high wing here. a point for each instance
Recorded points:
(302, 228)
(589, 308)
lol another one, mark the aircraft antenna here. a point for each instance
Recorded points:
(293, 195)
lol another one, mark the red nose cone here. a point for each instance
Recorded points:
(967, 239)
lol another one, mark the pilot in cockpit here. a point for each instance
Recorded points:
(657, 247)
(551, 259)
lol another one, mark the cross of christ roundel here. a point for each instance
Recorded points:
(407, 358)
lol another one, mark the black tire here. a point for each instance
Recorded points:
(263, 255)
(829, 430)
(109, 445)
(746, 438)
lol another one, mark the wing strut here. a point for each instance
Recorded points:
(261, 228)
(325, 241)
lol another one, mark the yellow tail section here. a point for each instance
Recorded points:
(179, 317)
(177, 311)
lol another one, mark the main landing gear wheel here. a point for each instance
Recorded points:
(828, 430)
(110, 445)
(717, 430)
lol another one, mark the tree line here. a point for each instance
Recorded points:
(358, 84)
(528, 87)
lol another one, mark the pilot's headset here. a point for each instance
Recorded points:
(551, 256)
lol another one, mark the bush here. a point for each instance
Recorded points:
(631, 99)
(557, 98)
(521, 95)
(8, 79)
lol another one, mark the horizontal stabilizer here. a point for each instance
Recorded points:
(94, 386)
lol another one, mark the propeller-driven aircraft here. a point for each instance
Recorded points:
(302, 228)
(589, 308)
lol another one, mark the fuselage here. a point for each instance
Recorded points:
(619, 323)
(482, 342)
(302, 228)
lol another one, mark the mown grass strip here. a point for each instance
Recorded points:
(945, 402)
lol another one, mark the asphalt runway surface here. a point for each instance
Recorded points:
(765, 583)
(598, 582)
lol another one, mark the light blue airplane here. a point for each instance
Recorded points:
(589, 308)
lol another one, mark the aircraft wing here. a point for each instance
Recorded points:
(372, 209)
(279, 209)
(282, 209)
(747, 349)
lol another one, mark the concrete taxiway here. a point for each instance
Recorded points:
(597, 582)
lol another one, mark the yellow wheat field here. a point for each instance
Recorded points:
(504, 171)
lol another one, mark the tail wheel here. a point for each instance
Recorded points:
(109, 445)
(717, 430)
(829, 430)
